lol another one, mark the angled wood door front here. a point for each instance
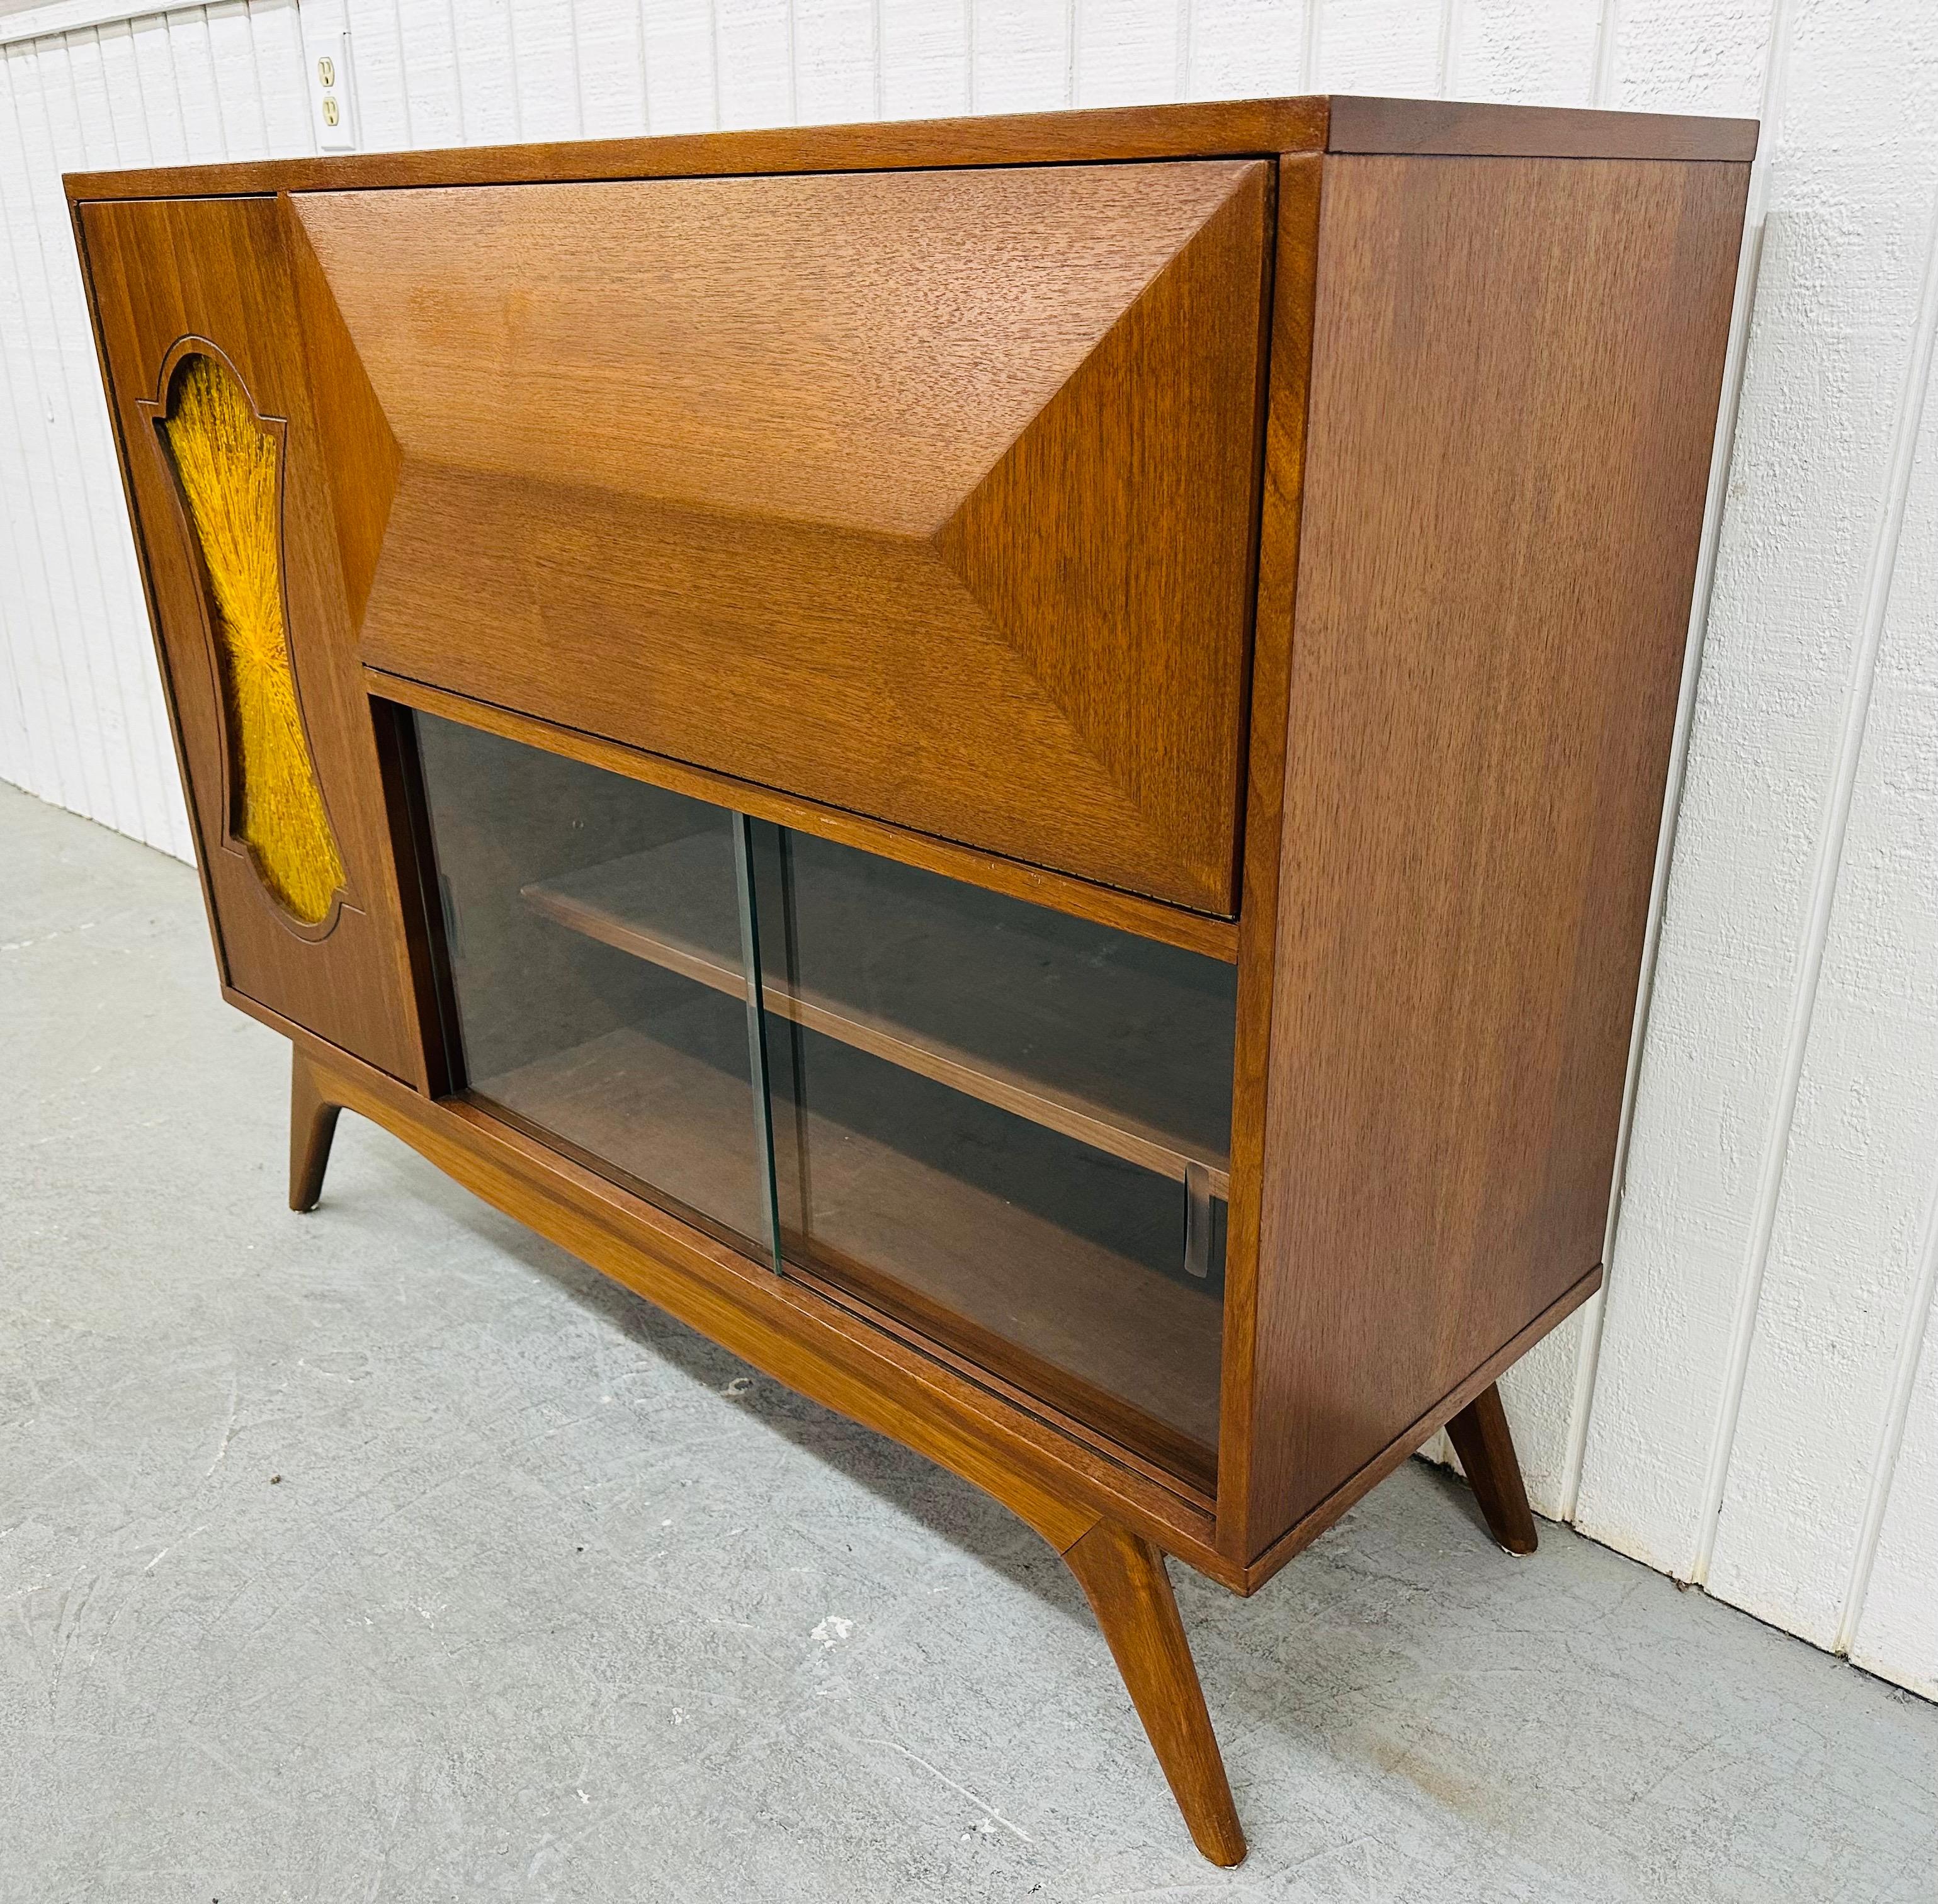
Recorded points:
(210, 381)
(926, 495)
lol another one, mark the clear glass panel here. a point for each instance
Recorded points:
(592, 928)
(990, 1120)
(1002, 1129)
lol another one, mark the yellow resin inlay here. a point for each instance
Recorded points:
(226, 465)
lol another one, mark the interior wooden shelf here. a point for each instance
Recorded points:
(1121, 1059)
(676, 1113)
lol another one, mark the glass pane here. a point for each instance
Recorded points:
(988, 1120)
(592, 928)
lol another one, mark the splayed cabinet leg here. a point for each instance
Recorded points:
(312, 1125)
(1124, 1577)
(1479, 1433)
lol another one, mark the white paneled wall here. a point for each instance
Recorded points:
(1756, 1406)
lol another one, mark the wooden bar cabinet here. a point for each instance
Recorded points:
(1015, 764)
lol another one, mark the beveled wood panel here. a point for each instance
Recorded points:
(216, 270)
(956, 535)
(1114, 1058)
(1516, 366)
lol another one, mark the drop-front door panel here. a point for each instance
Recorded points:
(953, 529)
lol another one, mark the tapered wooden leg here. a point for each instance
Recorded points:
(1123, 1576)
(312, 1124)
(1479, 1433)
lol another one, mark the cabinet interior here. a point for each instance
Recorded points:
(1002, 1130)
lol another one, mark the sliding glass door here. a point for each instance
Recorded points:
(1001, 1131)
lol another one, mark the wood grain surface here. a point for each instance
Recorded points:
(1295, 281)
(956, 535)
(1326, 1512)
(1459, 127)
(1123, 1577)
(1485, 1444)
(312, 1128)
(1517, 369)
(1210, 128)
(1204, 129)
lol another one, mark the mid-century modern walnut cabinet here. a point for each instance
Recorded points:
(1014, 764)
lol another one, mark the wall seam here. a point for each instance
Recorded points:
(641, 39)
(25, 771)
(457, 65)
(578, 67)
(134, 823)
(57, 21)
(214, 87)
(123, 607)
(793, 69)
(1890, 1429)
(1450, 47)
(1924, 1284)
(1608, 29)
(875, 26)
(251, 13)
(713, 56)
(515, 73)
(1749, 265)
(51, 772)
(403, 72)
(1833, 827)
(100, 800)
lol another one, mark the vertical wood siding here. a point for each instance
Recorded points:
(1755, 1407)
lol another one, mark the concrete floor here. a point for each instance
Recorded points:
(389, 1553)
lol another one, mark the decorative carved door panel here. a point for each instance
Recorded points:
(212, 386)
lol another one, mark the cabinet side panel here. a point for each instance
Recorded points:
(1516, 369)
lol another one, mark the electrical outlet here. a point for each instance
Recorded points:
(333, 103)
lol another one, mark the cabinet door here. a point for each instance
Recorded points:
(642, 1068)
(249, 564)
(1003, 1132)
(924, 495)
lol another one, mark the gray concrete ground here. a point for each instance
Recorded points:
(388, 1553)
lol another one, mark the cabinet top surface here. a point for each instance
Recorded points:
(1315, 123)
